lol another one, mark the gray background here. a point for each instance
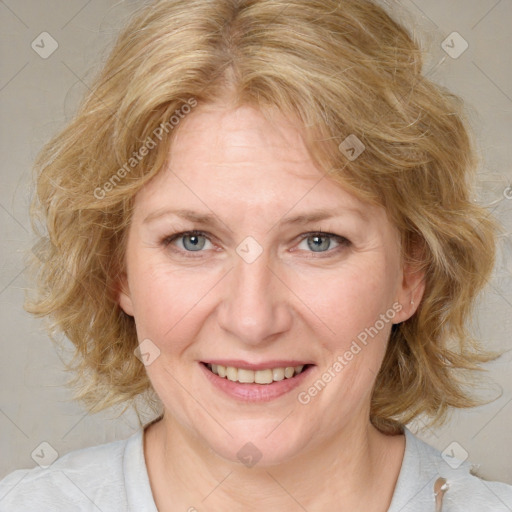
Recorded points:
(38, 95)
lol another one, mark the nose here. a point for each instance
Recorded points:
(255, 307)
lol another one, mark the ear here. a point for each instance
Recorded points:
(411, 289)
(123, 295)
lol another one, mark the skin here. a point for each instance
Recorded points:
(253, 175)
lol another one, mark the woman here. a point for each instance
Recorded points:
(261, 214)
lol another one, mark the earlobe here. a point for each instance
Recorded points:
(410, 294)
(412, 286)
(124, 297)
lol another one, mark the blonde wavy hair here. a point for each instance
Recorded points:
(340, 68)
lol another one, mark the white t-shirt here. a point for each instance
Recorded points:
(113, 478)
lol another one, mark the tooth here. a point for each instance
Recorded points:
(263, 376)
(231, 373)
(245, 376)
(278, 373)
(266, 376)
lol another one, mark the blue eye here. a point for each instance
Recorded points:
(323, 242)
(191, 241)
(194, 242)
(318, 243)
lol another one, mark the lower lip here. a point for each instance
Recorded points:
(255, 392)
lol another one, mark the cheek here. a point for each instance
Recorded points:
(165, 301)
(356, 312)
(350, 300)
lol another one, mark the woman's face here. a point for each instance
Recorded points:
(284, 268)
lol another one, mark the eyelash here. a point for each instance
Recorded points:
(342, 241)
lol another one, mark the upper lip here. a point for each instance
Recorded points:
(265, 365)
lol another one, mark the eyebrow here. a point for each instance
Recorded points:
(322, 214)
(300, 219)
(191, 215)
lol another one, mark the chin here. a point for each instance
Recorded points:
(258, 443)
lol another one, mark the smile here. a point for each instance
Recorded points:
(262, 383)
(245, 376)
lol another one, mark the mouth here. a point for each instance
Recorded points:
(247, 382)
(261, 376)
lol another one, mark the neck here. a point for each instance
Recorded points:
(358, 469)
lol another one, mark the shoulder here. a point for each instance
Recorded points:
(74, 482)
(423, 466)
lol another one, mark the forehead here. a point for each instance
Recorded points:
(223, 158)
(223, 136)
